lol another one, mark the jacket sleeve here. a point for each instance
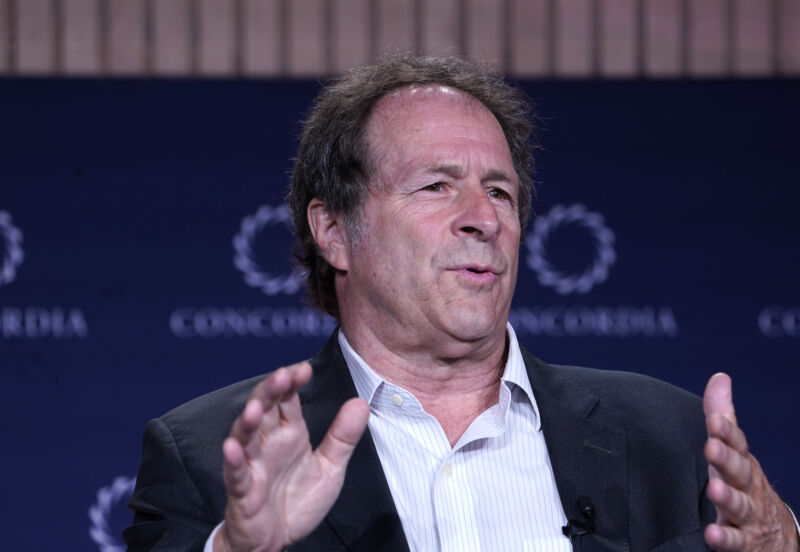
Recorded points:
(170, 512)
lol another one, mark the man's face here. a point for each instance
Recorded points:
(437, 253)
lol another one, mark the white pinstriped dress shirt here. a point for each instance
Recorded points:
(493, 491)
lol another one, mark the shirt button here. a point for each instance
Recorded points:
(447, 469)
(397, 400)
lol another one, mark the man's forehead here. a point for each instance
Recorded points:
(422, 91)
(408, 98)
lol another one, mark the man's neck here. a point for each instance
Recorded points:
(454, 383)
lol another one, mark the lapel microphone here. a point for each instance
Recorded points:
(579, 527)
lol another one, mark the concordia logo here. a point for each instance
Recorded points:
(582, 320)
(261, 321)
(31, 322)
(109, 514)
(779, 321)
(12, 254)
(546, 226)
(251, 229)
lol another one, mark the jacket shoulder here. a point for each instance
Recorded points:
(208, 410)
(621, 398)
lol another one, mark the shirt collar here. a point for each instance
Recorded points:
(367, 381)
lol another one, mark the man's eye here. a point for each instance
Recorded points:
(435, 187)
(498, 193)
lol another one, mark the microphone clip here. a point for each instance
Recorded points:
(579, 527)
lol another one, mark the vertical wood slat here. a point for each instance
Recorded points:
(484, 30)
(663, 49)
(350, 40)
(5, 36)
(752, 46)
(126, 51)
(35, 37)
(618, 38)
(789, 37)
(216, 40)
(530, 37)
(172, 41)
(574, 32)
(396, 25)
(307, 38)
(708, 38)
(81, 40)
(261, 40)
(440, 32)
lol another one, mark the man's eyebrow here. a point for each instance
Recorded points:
(456, 171)
(453, 171)
(496, 175)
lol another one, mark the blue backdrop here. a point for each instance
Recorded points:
(145, 261)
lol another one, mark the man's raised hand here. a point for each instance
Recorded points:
(278, 488)
(750, 515)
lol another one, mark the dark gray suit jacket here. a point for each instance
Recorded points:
(629, 444)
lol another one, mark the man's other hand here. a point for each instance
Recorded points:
(278, 488)
(750, 515)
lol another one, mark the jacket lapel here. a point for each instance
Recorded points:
(589, 458)
(364, 516)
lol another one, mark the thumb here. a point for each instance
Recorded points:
(345, 432)
(718, 397)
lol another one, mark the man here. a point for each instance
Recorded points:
(410, 193)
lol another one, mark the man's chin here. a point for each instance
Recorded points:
(469, 326)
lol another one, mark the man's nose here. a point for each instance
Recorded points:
(477, 215)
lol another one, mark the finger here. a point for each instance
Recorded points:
(301, 374)
(724, 429)
(289, 405)
(718, 396)
(290, 410)
(245, 426)
(235, 473)
(732, 504)
(344, 433)
(273, 387)
(734, 468)
(724, 538)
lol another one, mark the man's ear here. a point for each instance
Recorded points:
(329, 234)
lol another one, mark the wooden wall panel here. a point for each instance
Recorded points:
(485, 37)
(440, 27)
(217, 44)
(5, 36)
(752, 34)
(307, 38)
(261, 41)
(35, 33)
(531, 37)
(172, 37)
(81, 36)
(663, 38)
(350, 34)
(708, 37)
(574, 44)
(396, 25)
(618, 40)
(789, 37)
(125, 48)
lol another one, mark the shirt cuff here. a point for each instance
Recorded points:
(209, 547)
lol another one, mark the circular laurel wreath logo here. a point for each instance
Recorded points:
(244, 259)
(100, 513)
(543, 230)
(13, 254)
